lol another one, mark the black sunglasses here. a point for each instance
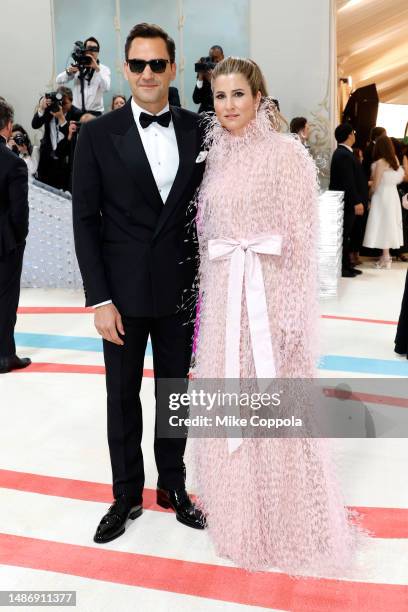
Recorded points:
(156, 65)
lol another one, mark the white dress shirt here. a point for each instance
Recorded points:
(346, 147)
(93, 89)
(160, 145)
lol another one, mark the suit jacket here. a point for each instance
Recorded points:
(204, 97)
(130, 246)
(13, 200)
(345, 175)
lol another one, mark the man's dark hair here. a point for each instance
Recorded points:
(92, 39)
(297, 124)
(66, 92)
(150, 30)
(342, 132)
(6, 114)
(218, 48)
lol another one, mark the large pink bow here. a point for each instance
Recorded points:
(245, 263)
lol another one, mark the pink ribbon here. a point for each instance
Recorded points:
(245, 265)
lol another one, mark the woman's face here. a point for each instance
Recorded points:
(118, 103)
(234, 103)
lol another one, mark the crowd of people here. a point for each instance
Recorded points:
(374, 181)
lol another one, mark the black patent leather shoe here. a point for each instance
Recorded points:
(185, 510)
(113, 524)
(7, 364)
(348, 273)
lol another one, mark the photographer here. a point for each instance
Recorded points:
(91, 78)
(202, 94)
(20, 143)
(55, 111)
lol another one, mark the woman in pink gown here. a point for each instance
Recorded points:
(269, 502)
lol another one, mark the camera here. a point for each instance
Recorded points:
(20, 139)
(79, 55)
(204, 65)
(56, 101)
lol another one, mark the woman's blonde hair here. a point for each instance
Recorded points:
(248, 68)
(255, 79)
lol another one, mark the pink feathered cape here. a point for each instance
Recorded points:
(273, 502)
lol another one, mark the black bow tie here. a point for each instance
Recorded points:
(146, 120)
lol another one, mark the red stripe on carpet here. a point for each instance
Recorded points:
(266, 589)
(388, 400)
(360, 320)
(380, 522)
(69, 368)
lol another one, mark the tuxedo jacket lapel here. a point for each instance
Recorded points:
(131, 151)
(186, 142)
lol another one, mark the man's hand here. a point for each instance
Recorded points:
(73, 128)
(72, 69)
(94, 65)
(108, 323)
(60, 116)
(359, 210)
(44, 103)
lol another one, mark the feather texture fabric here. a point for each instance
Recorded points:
(272, 503)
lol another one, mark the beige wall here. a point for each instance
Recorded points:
(26, 51)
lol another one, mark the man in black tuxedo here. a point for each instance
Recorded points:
(344, 176)
(13, 232)
(54, 168)
(135, 172)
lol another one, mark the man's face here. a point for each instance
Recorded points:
(90, 44)
(216, 55)
(66, 104)
(150, 89)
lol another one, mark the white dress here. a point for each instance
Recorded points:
(384, 223)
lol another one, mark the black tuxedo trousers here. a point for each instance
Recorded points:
(171, 339)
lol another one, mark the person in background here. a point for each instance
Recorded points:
(13, 233)
(118, 101)
(202, 93)
(20, 143)
(301, 128)
(357, 233)
(344, 176)
(53, 167)
(96, 79)
(400, 151)
(375, 133)
(384, 223)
